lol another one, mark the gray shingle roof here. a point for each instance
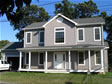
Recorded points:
(38, 25)
(19, 45)
(106, 44)
(13, 45)
(84, 46)
(89, 20)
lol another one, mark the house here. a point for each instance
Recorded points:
(64, 45)
(11, 55)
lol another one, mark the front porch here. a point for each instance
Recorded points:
(61, 61)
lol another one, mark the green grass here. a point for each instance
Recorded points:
(45, 78)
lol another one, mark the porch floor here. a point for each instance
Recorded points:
(58, 71)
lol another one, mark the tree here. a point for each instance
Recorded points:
(65, 7)
(12, 7)
(2, 44)
(30, 14)
(108, 29)
(81, 10)
(86, 9)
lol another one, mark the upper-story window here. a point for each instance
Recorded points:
(59, 35)
(41, 37)
(80, 34)
(28, 37)
(97, 33)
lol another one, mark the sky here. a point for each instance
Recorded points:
(7, 31)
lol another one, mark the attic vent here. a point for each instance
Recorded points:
(59, 19)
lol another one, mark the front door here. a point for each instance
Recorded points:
(59, 60)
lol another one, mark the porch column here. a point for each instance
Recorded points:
(29, 59)
(20, 60)
(89, 61)
(102, 65)
(69, 54)
(45, 60)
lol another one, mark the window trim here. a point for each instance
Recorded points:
(99, 33)
(84, 58)
(55, 34)
(39, 38)
(30, 38)
(95, 57)
(39, 58)
(83, 34)
(59, 19)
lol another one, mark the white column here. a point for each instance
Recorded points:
(89, 60)
(20, 60)
(102, 65)
(29, 60)
(69, 55)
(46, 60)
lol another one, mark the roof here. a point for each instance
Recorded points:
(81, 46)
(36, 25)
(13, 45)
(89, 20)
(106, 44)
(78, 22)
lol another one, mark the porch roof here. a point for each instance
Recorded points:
(71, 47)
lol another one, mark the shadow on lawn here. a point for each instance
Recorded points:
(87, 79)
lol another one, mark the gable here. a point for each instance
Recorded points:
(55, 23)
(58, 16)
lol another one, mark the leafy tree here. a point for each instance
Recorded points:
(30, 14)
(2, 44)
(108, 29)
(8, 7)
(86, 9)
(81, 10)
(65, 7)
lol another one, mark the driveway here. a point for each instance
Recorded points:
(3, 72)
(5, 83)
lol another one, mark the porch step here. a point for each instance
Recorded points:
(57, 71)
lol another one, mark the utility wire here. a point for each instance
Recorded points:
(51, 13)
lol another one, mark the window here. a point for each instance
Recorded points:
(59, 19)
(81, 34)
(27, 58)
(28, 37)
(59, 35)
(41, 58)
(97, 34)
(41, 37)
(81, 58)
(97, 58)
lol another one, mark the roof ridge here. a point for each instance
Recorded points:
(88, 18)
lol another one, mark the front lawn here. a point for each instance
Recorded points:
(45, 78)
